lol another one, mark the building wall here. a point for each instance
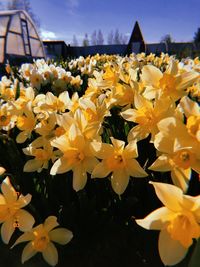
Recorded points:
(70, 51)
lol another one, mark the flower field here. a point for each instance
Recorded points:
(93, 153)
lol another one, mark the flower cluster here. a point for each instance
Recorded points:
(13, 216)
(94, 132)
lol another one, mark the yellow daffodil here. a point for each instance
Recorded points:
(178, 222)
(54, 103)
(170, 83)
(36, 79)
(5, 117)
(94, 111)
(46, 126)
(118, 160)
(26, 123)
(192, 112)
(180, 162)
(77, 156)
(147, 114)
(41, 238)
(179, 151)
(42, 151)
(11, 213)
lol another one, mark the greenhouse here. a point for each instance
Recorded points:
(19, 40)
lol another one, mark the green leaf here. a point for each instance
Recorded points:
(17, 91)
(195, 258)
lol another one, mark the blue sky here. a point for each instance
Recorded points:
(61, 19)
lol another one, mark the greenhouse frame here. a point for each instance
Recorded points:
(19, 39)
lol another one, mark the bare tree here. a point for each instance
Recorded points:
(197, 36)
(94, 38)
(86, 40)
(100, 39)
(116, 39)
(123, 38)
(167, 39)
(74, 41)
(110, 38)
(23, 5)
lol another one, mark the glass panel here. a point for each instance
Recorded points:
(31, 30)
(3, 25)
(14, 44)
(15, 25)
(36, 48)
(1, 50)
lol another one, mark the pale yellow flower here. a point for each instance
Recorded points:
(36, 79)
(11, 213)
(178, 222)
(180, 151)
(170, 83)
(42, 151)
(77, 156)
(54, 103)
(118, 160)
(192, 112)
(41, 238)
(25, 123)
(147, 114)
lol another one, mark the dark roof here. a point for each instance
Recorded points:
(136, 37)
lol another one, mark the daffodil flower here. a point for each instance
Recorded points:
(170, 83)
(147, 114)
(118, 160)
(77, 156)
(41, 238)
(180, 151)
(26, 124)
(178, 222)
(42, 151)
(11, 213)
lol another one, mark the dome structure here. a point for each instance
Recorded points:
(19, 39)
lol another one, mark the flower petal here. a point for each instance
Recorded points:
(2, 170)
(151, 75)
(171, 251)
(32, 165)
(2, 200)
(118, 144)
(181, 177)
(7, 230)
(25, 220)
(170, 195)
(61, 236)
(156, 219)
(24, 200)
(89, 164)
(134, 169)
(8, 191)
(79, 178)
(161, 164)
(101, 170)
(119, 181)
(50, 223)
(130, 150)
(61, 165)
(27, 236)
(102, 150)
(28, 252)
(21, 138)
(50, 254)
